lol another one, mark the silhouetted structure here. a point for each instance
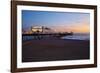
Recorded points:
(39, 33)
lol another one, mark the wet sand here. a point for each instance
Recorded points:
(56, 49)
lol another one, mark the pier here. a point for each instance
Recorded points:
(46, 35)
(49, 34)
(39, 33)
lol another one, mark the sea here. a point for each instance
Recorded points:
(72, 37)
(78, 36)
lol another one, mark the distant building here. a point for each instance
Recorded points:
(36, 29)
(40, 29)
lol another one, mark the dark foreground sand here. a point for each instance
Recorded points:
(52, 50)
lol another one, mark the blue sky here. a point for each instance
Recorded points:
(62, 21)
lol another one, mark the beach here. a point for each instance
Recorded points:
(54, 50)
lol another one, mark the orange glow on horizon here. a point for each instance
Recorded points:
(83, 28)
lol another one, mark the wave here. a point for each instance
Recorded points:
(78, 37)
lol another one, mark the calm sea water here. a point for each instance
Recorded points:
(78, 37)
(72, 37)
(28, 37)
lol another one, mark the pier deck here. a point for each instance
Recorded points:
(48, 34)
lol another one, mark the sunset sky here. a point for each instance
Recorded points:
(58, 21)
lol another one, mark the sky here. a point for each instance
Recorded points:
(58, 21)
